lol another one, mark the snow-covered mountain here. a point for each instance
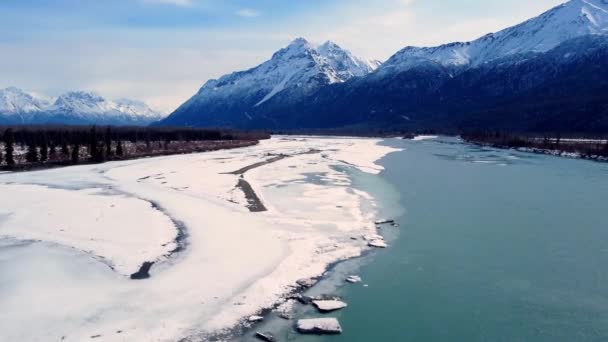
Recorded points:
(20, 107)
(17, 103)
(570, 20)
(300, 67)
(293, 72)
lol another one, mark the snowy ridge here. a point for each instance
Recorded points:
(296, 70)
(570, 20)
(72, 107)
(344, 63)
(16, 101)
(88, 103)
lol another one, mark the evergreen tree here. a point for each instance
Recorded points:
(93, 142)
(32, 153)
(64, 148)
(119, 151)
(9, 140)
(52, 149)
(108, 142)
(75, 153)
(94, 150)
(44, 150)
(147, 139)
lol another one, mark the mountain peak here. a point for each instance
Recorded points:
(329, 45)
(299, 42)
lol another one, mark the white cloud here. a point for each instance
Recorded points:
(184, 3)
(247, 13)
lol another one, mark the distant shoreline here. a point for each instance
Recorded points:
(588, 149)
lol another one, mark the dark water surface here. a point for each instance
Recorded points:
(493, 246)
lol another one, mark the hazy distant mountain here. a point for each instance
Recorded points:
(20, 107)
(17, 106)
(548, 73)
(294, 72)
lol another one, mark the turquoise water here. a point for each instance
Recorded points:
(493, 246)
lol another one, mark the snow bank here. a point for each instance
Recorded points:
(123, 231)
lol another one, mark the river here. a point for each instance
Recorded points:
(493, 245)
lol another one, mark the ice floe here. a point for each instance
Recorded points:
(353, 279)
(319, 326)
(329, 305)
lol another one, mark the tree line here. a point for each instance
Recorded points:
(73, 144)
(586, 146)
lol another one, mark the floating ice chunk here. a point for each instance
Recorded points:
(319, 326)
(353, 279)
(377, 244)
(255, 319)
(265, 336)
(329, 305)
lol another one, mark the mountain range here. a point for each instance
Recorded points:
(547, 73)
(73, 108)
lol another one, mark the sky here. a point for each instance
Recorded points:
(163, 51)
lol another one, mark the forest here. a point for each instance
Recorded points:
(26, 147)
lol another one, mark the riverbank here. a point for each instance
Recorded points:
(233, 262)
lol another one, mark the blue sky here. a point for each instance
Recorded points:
(162, 51)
